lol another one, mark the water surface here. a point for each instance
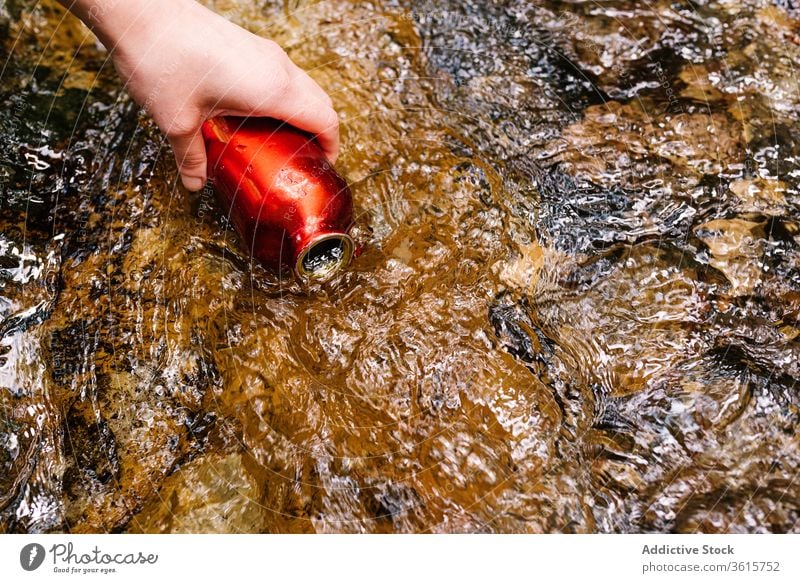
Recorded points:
(577, 307)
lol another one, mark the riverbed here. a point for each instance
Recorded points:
(576, 306)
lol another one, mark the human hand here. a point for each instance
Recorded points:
(184, 64)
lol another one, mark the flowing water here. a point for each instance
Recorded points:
(576, 309)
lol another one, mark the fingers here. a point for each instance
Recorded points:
(313, 111)
(190, 154)
(287, 93)
(303, 112)
(304, 105)
(305, 84)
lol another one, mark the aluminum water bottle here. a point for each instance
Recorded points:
(285, 200)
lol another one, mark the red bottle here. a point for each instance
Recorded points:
(284, 198)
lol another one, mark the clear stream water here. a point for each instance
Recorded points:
(577, 307)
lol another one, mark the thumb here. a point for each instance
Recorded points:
(190, 154)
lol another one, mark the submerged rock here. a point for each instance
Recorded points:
(212, 494)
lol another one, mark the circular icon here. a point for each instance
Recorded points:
(31, 556)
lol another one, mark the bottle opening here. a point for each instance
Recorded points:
(325, 257)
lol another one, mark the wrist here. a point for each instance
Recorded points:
(118, 23)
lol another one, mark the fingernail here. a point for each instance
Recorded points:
(192, 183)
